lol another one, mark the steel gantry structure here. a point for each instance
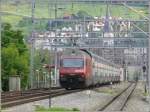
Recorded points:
(81, 41)
(97, 42)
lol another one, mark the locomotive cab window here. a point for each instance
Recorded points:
(72, 62)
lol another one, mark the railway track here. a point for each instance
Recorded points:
(31, 96)
(20, 93)
(28, 94)
(120, 100)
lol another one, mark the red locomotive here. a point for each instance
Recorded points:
(80, 68)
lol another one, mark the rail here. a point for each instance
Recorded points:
(119, 101)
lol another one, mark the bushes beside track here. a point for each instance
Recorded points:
(14, 56)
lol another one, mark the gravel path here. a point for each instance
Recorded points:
(137, 102)
(86, 101)
(81, 100)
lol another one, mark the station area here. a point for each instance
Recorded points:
(80, 55)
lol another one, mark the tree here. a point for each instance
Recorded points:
(15, 56)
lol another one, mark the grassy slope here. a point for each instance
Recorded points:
(41, 10)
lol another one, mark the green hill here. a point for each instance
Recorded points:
(17, 11)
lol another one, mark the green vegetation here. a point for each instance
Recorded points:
(55, 109)
(15, 56)
(44, 10)
(145, 94)
(41, 57)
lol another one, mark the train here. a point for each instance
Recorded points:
(80, 68)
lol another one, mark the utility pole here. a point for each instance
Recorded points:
(0, 55)
(72, 6)
(149, 56)
(55, 50)
(33, 10)
(32, 47)
(49, 8)
(55, 10)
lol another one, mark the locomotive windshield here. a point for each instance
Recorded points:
(72, 62)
